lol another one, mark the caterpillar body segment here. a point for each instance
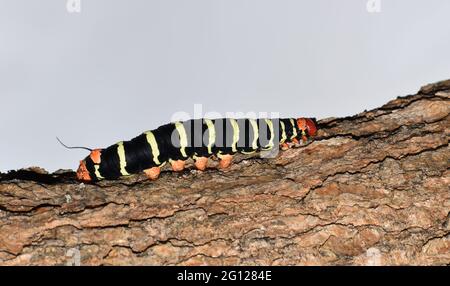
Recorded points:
(198, 139)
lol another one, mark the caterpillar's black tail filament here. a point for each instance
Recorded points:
(72, 147)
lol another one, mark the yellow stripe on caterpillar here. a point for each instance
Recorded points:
(183, 138)
(220, 155)
(122, 159)
(154, 146)
(255, 133)
(235, 126)
(294, 130)
(211, 133)
(97, 172)
(283, 132)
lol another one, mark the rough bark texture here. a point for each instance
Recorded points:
(371, 189)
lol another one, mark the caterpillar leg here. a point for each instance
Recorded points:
(201, 162)
(225, 161)
(153, 173)
(177, 165)
(284, 146)
(296, 142)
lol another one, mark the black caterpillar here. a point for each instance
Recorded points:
(198, 139)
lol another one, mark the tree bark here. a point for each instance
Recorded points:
(371, 189)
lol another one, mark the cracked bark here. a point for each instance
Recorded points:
(371, 189)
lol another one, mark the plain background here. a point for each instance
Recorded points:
(121, 67)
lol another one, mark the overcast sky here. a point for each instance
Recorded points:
(121, 67)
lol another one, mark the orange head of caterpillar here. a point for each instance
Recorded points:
(86, 170)
(307, 127)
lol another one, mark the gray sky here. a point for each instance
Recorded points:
(121, 67)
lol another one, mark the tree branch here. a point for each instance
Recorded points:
(371, 189)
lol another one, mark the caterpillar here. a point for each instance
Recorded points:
(198, 139)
